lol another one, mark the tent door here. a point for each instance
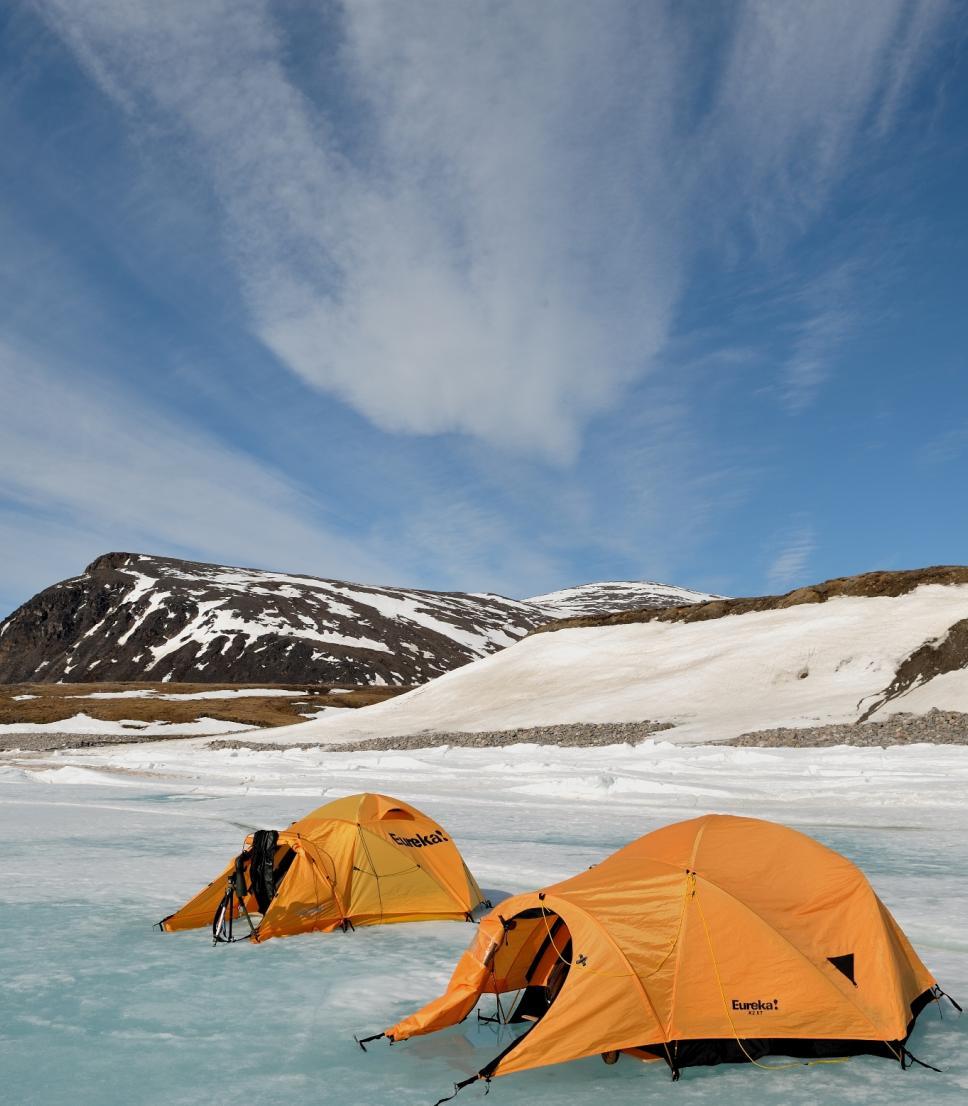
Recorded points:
(546, 973)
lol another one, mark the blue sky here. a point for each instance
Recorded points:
(485, 296)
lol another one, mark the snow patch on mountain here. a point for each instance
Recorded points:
(616, 595)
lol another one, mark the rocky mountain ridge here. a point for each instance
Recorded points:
(131, 616)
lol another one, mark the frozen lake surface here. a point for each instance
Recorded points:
(98, 1007)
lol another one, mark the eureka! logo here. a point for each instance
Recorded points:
(422, 840)
(758, 1006)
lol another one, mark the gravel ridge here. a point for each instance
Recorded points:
(570, 734)
(936, 727)
(573, 734)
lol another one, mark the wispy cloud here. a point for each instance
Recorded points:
(125, 473)
(479, 268)
(494, 237)
(791, 557)
(86, 468)
(802, 87)
(945, 446)
(830, 312)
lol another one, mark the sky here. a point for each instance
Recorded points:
(485, 295)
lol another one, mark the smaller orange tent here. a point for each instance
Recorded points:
(717, 940)
(363, 860)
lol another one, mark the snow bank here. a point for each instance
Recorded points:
(223, 693)
(84, 724)
(654, 773)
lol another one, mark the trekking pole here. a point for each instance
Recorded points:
(237, 881)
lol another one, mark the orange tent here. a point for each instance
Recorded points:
(363, 860)
(715, 940)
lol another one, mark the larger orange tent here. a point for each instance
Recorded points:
(363, 860)
(720, 939)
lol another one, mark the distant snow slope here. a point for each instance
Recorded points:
(135, 617)
(618, 595)
(801, 665)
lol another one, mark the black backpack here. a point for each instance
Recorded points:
(262, 876)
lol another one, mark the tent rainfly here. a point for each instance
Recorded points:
(363, 860)
(717, 940)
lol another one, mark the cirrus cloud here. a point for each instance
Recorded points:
(491, 231)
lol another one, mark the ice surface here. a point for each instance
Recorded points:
(96, 1007)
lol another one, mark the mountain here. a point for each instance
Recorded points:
(853, 649)
(134, 617)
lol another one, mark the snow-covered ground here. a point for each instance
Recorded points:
(805, 665)
(83, 724)
(180, 696)
(98, 1007)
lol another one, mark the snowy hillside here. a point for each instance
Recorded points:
(135, 617)
(802, 662)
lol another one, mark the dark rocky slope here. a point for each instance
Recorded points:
(136, 617)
